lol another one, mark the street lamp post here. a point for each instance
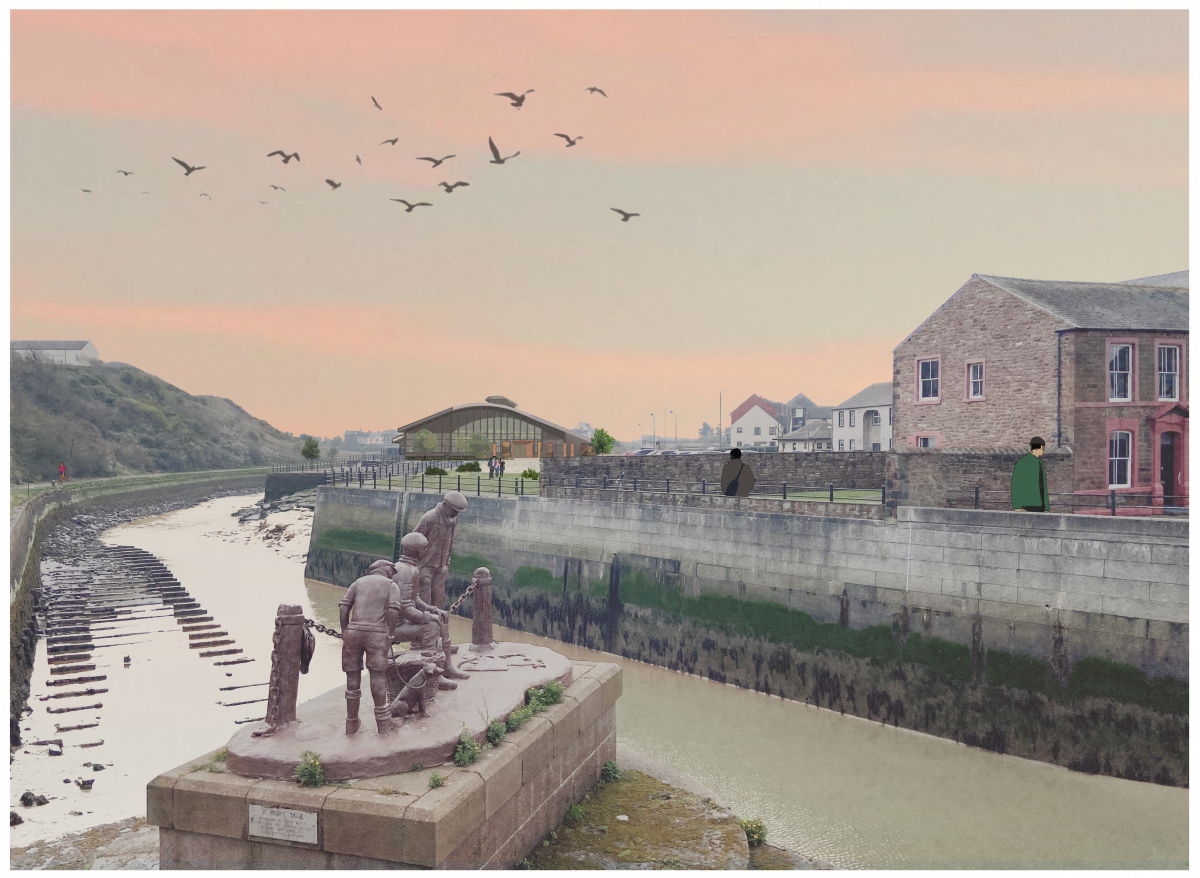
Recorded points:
(653, 432)
(672, 412)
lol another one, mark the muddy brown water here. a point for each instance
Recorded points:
(853, 793)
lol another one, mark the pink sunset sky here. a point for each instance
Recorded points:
(811, 184)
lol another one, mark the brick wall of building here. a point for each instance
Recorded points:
(1019, 347)
(948, 477)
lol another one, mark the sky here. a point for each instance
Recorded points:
(811, 186)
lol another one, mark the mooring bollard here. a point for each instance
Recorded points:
(785, 490)
(478, 486)
(830, 492)
(285, 668)
(481, 611)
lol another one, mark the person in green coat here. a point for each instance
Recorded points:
(1030, 488)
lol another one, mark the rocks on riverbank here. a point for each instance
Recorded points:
(306, 499)
(126, 844)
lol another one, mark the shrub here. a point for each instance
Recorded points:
(610, 772)
(530, 473)
(518, 718)
(472, 467)
(435, 471)
(309, 772)
(756, 833)
(576, 812)
(436, 780)
(468, 749)
(552, 693)
(496, 731)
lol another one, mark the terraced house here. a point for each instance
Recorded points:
(1096, 368)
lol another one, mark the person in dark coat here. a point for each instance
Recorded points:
(1030, 487)
(736, 477)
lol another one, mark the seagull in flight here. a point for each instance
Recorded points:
(188, 168)
(593, 90)
(333, 184)
(450, 187)
(436, 162)
(392, 141)
(624, 216)
(206, 195)
(286, 158)
(569, 141)
(126, 173)
(145, 193)
(517, 100)
(264, 202)
(358, 159)
(280, 188)
(496, 160)
(89, 191)
(411, 207)
(376, 103)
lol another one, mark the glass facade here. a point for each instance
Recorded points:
(509, 433)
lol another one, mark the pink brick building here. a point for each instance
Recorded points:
(1096, 369)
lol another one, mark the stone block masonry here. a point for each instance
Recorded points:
(1021, 574)
(487, 815)
(948, 477)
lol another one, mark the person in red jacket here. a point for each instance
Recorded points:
(62, 473)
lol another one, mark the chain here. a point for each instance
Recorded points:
(309, 623)
(462, 597)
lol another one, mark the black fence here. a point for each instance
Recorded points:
(409, 480)
(1111, 503)
(780, 490)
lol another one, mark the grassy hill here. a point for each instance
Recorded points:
(109, 419)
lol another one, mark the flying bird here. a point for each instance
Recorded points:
(517, 100)
(624, 216)
(569, 141)
(145, 193)
(89, 191)
(496, 160)
(450, 187)
(264, 202)
(286, 158)
(376, 103)
(357, 159)
(280, 188)
(411, 206)
(206, 195)
(333, 184)
(188, 168)
(436, 162)
(593, 90)
(126, 173)
(392, 141)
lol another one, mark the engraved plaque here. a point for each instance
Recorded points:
(285, 824)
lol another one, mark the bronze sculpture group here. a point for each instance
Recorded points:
(403, 602)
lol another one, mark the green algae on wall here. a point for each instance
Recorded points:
(354, 540)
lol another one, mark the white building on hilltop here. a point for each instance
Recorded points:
(67, 353)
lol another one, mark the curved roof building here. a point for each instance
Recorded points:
(511, 432)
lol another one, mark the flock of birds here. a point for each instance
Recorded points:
(517, 100)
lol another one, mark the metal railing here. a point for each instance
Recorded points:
(1076, 501)
(779, 490)
(478, 484)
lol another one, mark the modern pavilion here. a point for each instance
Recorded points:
(511, 432)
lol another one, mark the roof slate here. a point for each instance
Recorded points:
(817, 430)
(1102, 305)
(811, 409)
(47, 345)
(876, 394)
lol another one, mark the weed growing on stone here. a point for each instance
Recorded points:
(576, 812)
(610, 772)
(496, 731)
(756, 833)
(468, 749)
(436, 780)
(417, 766)
(309, 772)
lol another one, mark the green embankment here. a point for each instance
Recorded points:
(355, 540)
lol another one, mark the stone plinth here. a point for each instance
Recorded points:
(428, 741)
(490, 814)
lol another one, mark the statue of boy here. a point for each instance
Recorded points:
(437, 525)
(375, 601)
(426, 623)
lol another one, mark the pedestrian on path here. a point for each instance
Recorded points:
(62, 472)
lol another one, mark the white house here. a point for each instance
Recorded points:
(69, 353)
(817, 435)
(754, 423)
(864, 421)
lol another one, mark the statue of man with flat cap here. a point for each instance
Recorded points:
(437, 526)
(369, 613)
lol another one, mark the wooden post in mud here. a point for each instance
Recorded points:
(285, 666)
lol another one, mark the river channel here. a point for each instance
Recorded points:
(852, 793)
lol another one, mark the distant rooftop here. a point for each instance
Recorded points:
(1103, 305)
(1174, 279)
(876, 394)
(48, 345)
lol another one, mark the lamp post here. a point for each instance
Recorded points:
(653, 432)
(672, 412)
(720, 426)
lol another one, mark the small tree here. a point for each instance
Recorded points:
(706, 430)
(310, 450)
(424, 443)
(332, 452)
(602, 442)
(479, 446)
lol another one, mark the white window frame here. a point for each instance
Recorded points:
(973, 382)
(1176, 349)
(851, 444)
(1114, 375)
(739, 429)
(926, 442)
(758, 431)
(851, 417)
(1115, 460)
(934, 380)
(771, 430)
(841, 418)
(841, 445)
